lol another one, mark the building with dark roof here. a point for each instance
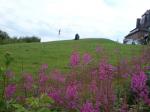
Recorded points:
(142, 29)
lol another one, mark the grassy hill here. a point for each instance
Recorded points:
(29, 56)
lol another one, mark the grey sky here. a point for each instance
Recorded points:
(111, 19)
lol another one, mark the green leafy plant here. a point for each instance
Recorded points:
(39, 103)
(19, 108)
(8, 59)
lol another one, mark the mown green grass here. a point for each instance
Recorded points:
(29, 56)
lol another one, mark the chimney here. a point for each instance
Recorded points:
(138, 23)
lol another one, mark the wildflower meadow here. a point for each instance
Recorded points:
(90, 85)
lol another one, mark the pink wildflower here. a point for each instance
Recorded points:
(28, 81)
(56, 75)
(43, 82)
(138, 85)
(43, 68)
(98, 49)
(73, 104)
(94, 72)
(86, 58)
(10, 90)
(56, 96)
(138, 82)
(124, 108)
(88, 107)
(72, 96)
(93, 86)
(43, 78)
(75, 59)
(72, 90)
(105, 70)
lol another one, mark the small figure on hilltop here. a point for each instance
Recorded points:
(59, 31)
(77, 37)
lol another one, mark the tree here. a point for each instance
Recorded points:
(29, 39)
(4, 35)
(6, 39)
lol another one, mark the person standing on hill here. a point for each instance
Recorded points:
(77, 36)
(59, 32)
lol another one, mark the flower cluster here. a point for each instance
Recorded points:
(88, 107)
(99, 49)
(74, 59)
(42, 79)
(28, 81)
(72, 95)
(57, 76)
(86, 58)
(138, 82)
(138, 85)
(88, 88)
(10, 90)
(93, 86)
(44, 67)
(56, 95)
(72, 90)
(105, 70)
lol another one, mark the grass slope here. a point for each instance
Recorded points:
(57, 54)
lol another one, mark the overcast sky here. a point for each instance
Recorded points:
(111, 19)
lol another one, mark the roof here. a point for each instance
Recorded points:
(147, 12)
(142, 25)
(137, 30)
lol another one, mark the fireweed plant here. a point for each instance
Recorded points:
(90, 86)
